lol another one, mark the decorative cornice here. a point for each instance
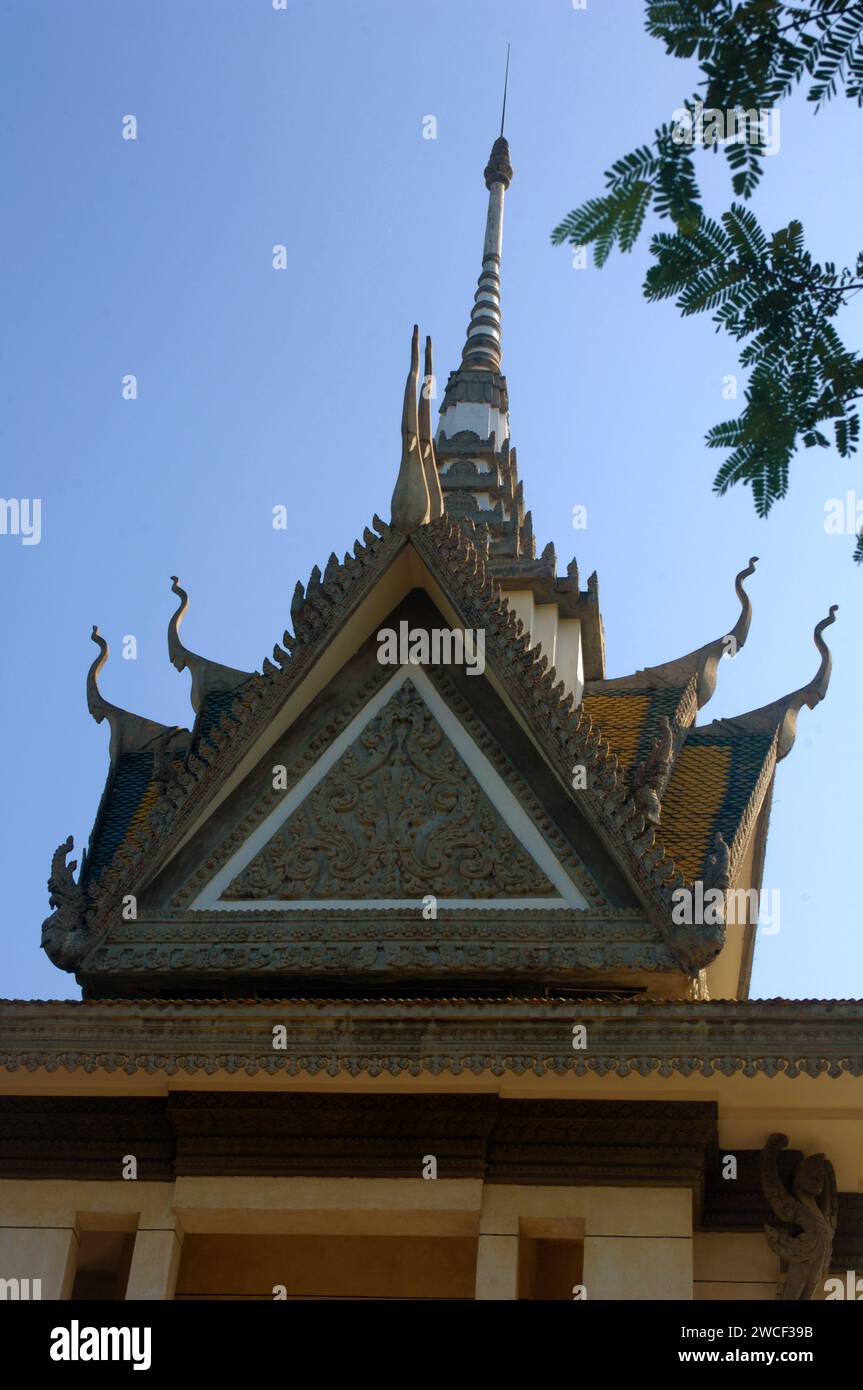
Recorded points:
(346, 1134)
(437, 1037)
(371, 948)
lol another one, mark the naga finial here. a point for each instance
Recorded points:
(410, 504)
(727, 645)
(177, 653)
(740, 630)
(64, 937)
(700, 666)
(98, 707)
(809, 695)
(129, 732)
(779, 718)
(818, 686)
(206, 675)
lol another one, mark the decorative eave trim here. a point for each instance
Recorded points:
(442, 1038)
(567, 738)
(317, 610)
(745, 825)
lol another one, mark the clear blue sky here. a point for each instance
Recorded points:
(259, 387)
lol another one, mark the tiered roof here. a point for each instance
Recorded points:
(666, 803)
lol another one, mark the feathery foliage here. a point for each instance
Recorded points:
(764, 290)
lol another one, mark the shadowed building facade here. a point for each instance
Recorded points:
(428, 976)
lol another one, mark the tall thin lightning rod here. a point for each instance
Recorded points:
(505, 81)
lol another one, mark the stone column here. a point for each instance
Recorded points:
(497, 1266)
(155, 1264)
(497, 1248)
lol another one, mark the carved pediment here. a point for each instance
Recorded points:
(398, 815)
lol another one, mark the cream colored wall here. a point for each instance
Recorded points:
(247, 1266)
(637, 1242)
(734, 1265)
(560, 638)
(40, 1223)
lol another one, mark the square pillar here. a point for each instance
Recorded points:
(155, 1264)
(497, 1267)
(38, 1261)
(638, 1244)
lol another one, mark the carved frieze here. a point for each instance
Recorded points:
(399, 815)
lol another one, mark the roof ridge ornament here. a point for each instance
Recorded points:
(702, 663)
(64, 932)
(426, 438)
(207, 676)
(780, 716)
(411, 503)
(129, 732)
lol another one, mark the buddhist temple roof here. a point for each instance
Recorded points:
(664, 802)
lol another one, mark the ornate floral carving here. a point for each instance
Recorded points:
(399, 815)
(804, 1240)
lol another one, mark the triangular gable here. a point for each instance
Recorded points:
(331, 618)
(402, 804)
